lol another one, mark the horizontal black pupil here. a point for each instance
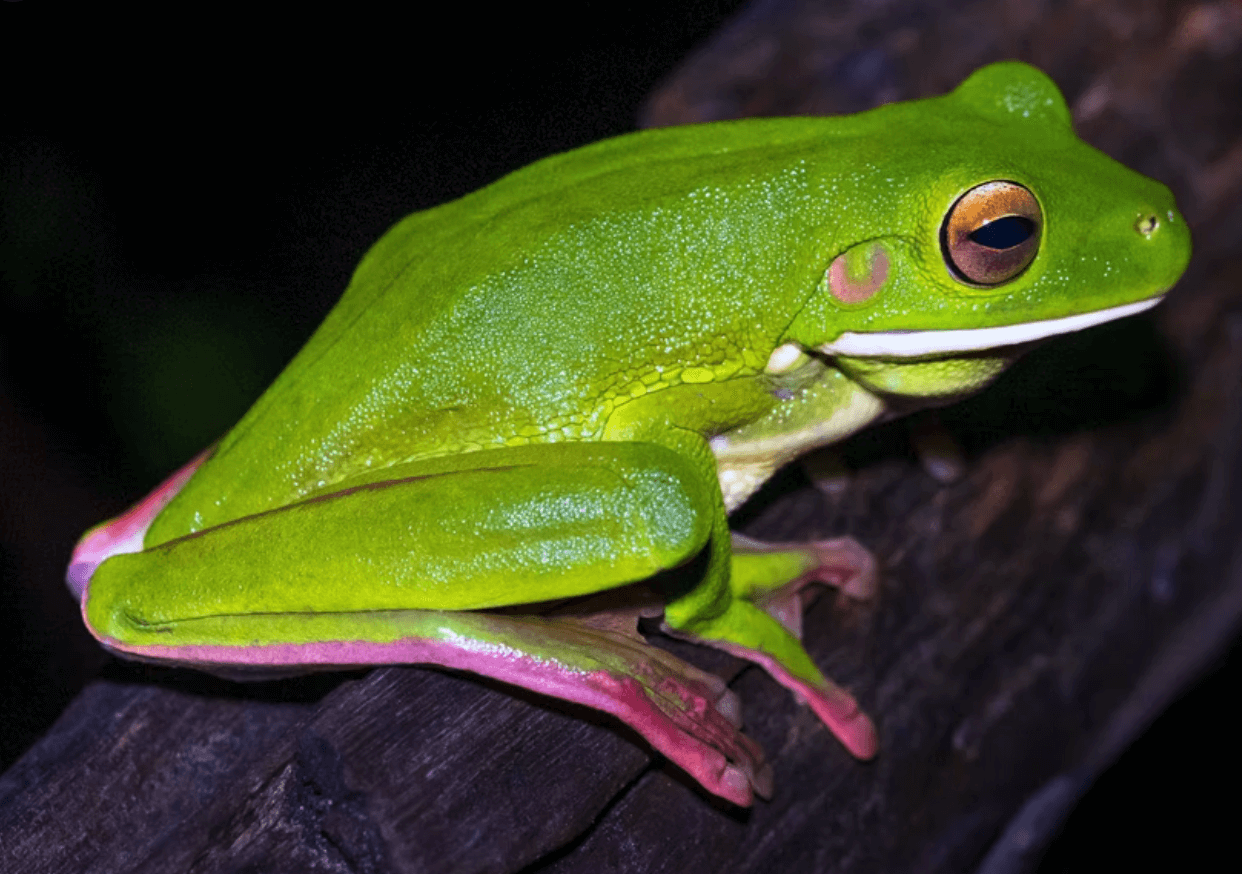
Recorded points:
(1004, 233)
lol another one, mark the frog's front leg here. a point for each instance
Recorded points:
(776, 575)
(763, 622)
(403, 569)
(726, 608)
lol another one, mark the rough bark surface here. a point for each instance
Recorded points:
(1035, 615)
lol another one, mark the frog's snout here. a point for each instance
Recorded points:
(1164, 234)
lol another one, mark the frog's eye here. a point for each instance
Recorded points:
(992, 233)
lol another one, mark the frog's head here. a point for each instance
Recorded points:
(1007, 229)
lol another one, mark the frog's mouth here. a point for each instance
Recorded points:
(917, 344)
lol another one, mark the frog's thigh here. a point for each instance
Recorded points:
(520, 526)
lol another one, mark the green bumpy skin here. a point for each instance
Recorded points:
(556, 388)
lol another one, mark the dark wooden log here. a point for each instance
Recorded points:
(1035, 615)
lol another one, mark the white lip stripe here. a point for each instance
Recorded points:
(910, 344)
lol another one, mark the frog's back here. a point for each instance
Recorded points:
(516, 312)
(528, 310)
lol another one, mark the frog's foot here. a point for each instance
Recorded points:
(125, 533)
(835, 707)
(688, 715)
(841, 562)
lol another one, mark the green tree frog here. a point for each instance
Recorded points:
(528, 418)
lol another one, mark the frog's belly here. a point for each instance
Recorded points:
(745, 459)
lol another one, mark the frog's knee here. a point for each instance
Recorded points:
(666, 492)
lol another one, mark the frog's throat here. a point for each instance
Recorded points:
(915, 344)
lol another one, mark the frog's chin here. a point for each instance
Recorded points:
(917, 344)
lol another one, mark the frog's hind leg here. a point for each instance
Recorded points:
(763, 623)
(686, 714)
(428, 562)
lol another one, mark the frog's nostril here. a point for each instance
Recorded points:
(1147, 224)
